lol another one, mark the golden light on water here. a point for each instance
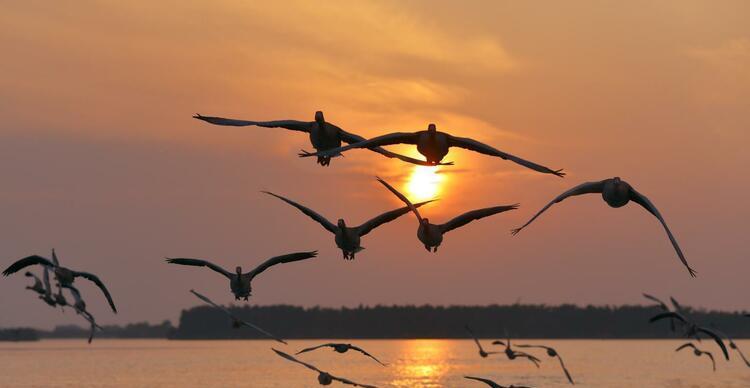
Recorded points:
(424, 183)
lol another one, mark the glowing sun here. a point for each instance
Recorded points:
(424, 183)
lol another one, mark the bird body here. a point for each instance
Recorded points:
(697, 352)
(341, 348)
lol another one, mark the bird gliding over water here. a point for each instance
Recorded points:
(482, 352)
(324, 378)
(434, 145)
(616, 193)
(494, 384)
(552, 353)
(341, 348)
(697, 352)
(431, 235)
(347, 238)
(323, 135)
(239, 283)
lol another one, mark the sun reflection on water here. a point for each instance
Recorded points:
(424, 364)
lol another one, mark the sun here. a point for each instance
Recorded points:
(424, 183)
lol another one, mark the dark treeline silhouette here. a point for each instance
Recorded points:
(133, 330)
(520, 321)
(19, 334)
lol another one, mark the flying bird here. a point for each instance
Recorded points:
(348, 238)
(663, 306)
(616, 193)
(494, 384)
(431, 235)
(324, 136)
(324, 378)
(692, 330)
(237, 322)
(42, 288)
(698, 353)
(341, 348)
(64, 276)
(513, 354)
(80, 308)
(482, 352)
(239, 283)
(733, 346)
(552, 353)
(434, 145)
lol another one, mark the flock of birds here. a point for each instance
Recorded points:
(326, 138)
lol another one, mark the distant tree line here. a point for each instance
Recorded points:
(19, 334)
(402, 322)
(132, 330)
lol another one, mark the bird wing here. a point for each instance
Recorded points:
(498, 342)
(473, 145)
(308, 212)
(47, 284)
(486, 381)
(531, 358)
(315, 348)
(742, 355)
(290, 358)
(584, 188)
(402, 198)
(676, 305)
(257, 328)
(656, 300)
(351, 138)
(200, 263)
(368, 226)
(366, 354)
(25, 262)
(95, 279)
(532, 346)
(384, 140)
(473, 215)
(643, 201)
(668, 314)
(683, 346)
(567, 374)
(292, 257)
(474, 337)
(38, 285)
(211, 303)
(294, 125)
(349, 382)
(716, 338)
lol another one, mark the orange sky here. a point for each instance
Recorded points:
(99, 156)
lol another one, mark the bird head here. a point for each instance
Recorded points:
(432, 128)
(324, 378)
(341, 224)
(319, 117)
(238, 270)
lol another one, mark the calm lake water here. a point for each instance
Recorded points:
(414, 363)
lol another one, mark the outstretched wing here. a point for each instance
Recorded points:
(199, 263)
(584, 188)
(99, 284)
(366, 354)
(711, 356)
(349, 382)
(402, 198)
(668, 314)
(292, 359)
(683, 346)
(25, 262)
(389, 139)
(211, 303)
(474, 337)
(656, 300)
(294, 125)
(643, 201)
(716, 338)
(368, 226)
(315, 348)
(486, 381)
(351, 138)
(308, 212)
(473, 145)
(281, 260)
(567, 374)
(473, 215)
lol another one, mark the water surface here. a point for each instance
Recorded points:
(413, 363)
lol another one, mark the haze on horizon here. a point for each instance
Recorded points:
(101, 159)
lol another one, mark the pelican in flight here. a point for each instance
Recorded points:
(434, 145)
(347, 238)
(513, 354)
(431, 235)
(698, 352)
(324, 378)
(236, 322)
(616, 193)
(552, 353)
(64, 276)
(239, 283)
(692, 330)
(341, 348)
(494, 384)
(324, 136)
(482, 352)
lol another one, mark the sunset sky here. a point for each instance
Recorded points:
(100, 158)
